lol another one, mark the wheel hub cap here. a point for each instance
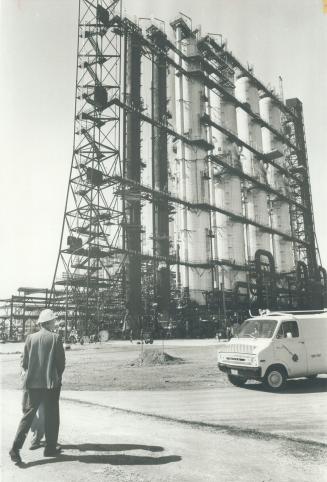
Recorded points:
(275, 379)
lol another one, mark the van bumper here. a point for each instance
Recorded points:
(244, 372)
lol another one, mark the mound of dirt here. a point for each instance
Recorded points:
(155, 357)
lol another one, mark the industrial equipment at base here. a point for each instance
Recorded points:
(189, 194)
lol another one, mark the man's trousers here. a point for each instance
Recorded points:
(31, 401)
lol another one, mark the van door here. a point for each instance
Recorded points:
(316, 356)
(290, 350)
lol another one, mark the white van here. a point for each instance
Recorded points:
(275, 346)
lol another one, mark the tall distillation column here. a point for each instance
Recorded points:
(132, 168)
(280, 209)
(160, 169)
(229, 243)
(256, 202)
(181, 226)
(195, 241)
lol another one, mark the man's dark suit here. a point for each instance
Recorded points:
(44, 363)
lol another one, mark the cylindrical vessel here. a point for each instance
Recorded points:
(160, 180)
(181, 126)
(280, 210)
(256, 200)
(132, 161)
(226, 193)
(199, 248)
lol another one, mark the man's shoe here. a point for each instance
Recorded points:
(50, 452)
(36, 444)
(15, 456)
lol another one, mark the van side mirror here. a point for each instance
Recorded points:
(289, 335)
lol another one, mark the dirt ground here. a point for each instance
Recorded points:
(108, 366)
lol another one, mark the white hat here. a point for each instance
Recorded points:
(46, 315)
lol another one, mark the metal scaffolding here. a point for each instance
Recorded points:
(94, 217)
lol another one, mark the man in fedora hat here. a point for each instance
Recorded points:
(44, 363)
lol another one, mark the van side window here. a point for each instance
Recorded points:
(288, 327)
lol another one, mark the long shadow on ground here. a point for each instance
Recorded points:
(88, 447)
(109, 459)
(316, 385)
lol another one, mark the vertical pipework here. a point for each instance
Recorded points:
(24, 316)
(11, 318)
(212, 199)
(160, 178)
(133, 171)
(181, 125)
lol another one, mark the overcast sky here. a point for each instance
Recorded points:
(37, 86)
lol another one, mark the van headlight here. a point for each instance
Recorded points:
(254, 361)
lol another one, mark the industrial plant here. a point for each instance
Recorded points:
(189, 199)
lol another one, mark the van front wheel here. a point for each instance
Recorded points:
(275, 379)
(237, 381)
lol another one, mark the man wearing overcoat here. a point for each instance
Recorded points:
(43, 363)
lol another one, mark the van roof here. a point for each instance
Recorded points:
(302, 315)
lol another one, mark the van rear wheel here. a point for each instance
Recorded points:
(275, 379)
(237, 381)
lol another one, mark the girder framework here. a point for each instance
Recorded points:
(93, 223)
(19, 313)
(302, 220)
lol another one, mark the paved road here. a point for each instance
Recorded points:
(294, 414)
(187, 436)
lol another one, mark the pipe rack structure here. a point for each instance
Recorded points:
(189, 188)
(19, 313)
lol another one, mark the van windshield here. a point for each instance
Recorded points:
(257, 329)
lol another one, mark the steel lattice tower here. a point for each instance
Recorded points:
(90, 258)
